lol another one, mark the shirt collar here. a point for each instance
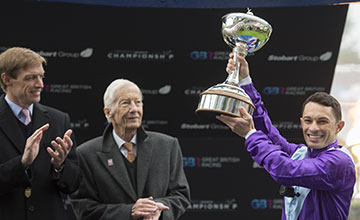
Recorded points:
(119, 141)
(315, 152)
(16, 109)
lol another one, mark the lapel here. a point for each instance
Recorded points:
(144, 154)
(111, 154)
(41, 117)
(9, 125)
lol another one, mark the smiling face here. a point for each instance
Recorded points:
(127, 110)
(25, 89)
(319, 125)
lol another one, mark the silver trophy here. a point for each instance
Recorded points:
(244, 33)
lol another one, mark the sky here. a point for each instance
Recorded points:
(346, 87)
(346, 83)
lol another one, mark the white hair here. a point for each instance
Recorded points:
(109, 97)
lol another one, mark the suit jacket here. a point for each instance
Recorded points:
(106, 191)
(46, 201)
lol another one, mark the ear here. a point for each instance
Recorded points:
(5, 78)
(301, 121)
(339, 126)
(108, 113)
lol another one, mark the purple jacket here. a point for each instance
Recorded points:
(324, 178)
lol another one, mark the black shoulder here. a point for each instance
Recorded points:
(90, 145)
(158, 135)
(51, 110)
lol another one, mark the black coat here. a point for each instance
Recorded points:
(45, 202)
(106, 192)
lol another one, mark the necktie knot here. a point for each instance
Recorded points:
(26, 113)
(130, 155)
(129, 146)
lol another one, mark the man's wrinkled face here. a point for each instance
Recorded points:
(319, 125)
(127, 110)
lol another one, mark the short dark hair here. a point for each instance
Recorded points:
(325, 99)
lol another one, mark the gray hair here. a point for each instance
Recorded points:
(109, 98)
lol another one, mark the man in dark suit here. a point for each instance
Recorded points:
(37, 162)
(130, 173)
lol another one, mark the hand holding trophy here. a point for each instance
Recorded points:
(244, 33)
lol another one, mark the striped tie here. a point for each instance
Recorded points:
(26, 113)
(130, 155)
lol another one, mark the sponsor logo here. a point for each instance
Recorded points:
(213, 205)
(286, 125)
(164, 90)
(196, 126)
(266, 204)
(140, 55)
(209, 55)
(300, 58)
(80, 124)
(86, 53)
(209, 162)
(65, 88)
(291, 90)
(149, 123)
(194, 91)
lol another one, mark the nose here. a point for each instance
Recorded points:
(133, 107)
(314, 126)
(39, 81)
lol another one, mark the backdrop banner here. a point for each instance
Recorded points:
(174, 54)
(205, 3)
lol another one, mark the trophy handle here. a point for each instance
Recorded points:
(233, 78)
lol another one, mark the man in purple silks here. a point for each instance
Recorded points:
(322, 174)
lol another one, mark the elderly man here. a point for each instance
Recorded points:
(130, 173)
(37, 161)
(318, 178)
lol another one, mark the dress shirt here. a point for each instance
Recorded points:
(17, 109)
(120, 143)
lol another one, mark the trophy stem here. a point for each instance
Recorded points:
(233, 79)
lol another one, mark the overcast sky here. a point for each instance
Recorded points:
(346, 84)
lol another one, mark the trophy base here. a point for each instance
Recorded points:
(223, 99)
(209, 115)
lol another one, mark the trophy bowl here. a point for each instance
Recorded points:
(244, 33)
